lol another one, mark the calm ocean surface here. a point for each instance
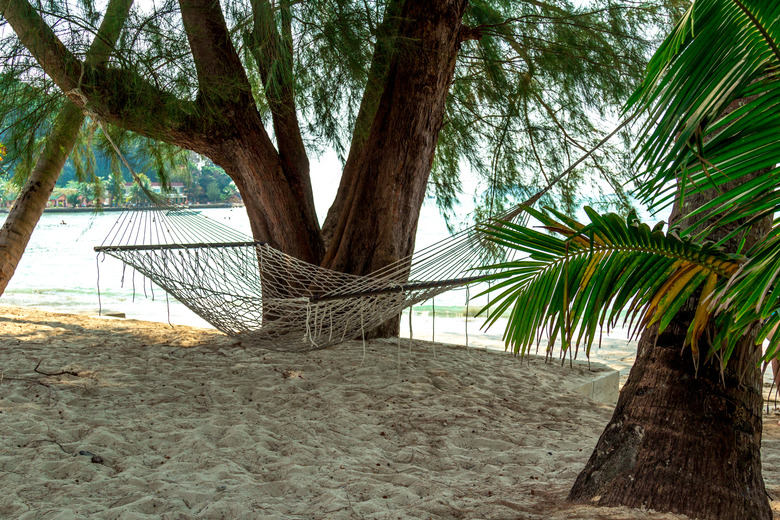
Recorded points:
(60, 271)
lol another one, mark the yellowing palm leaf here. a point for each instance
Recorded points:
(578, 285)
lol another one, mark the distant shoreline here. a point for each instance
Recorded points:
(109, 209)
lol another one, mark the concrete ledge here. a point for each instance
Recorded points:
(604, 388)
(113, 314)
(106, 313)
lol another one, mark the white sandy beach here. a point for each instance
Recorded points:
(141, 420)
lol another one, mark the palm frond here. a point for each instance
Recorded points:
(712, 95)
(752, 293)
(597, 275)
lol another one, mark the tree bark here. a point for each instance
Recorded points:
(273, 202)
(683, 440)
(276, 191)
(387, 35)
(28, 208)
(680, 441)
(378, 221)
(383, 184)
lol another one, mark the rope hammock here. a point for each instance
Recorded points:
(249, 289)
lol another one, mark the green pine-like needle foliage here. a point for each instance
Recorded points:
(532, 80)
(711, 102)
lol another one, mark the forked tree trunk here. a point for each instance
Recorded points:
(276, 206)
(384, 186)
(679, 440)
(275, 187)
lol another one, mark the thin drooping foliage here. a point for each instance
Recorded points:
(530, 85)
(55, 147)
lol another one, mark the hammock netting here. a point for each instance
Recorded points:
(249, 289)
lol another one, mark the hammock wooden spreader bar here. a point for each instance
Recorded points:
(150, 247)
(455, 282)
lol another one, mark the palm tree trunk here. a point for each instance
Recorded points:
(32, 200)
(683, 440)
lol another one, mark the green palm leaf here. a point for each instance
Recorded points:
(711, 101)
(581, 283)
(752, 293)
(712, 97)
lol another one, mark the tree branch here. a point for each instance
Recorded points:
(59, 63)
(375, 86)
(470, 33)
(221, 77)
(104, 43)
(118, 96)
(274, 56)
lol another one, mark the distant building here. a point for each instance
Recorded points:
(57, 201)
(174, 193)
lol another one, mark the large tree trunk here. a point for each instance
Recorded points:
(680, 440)
(383, 186)
(387, 36)
(28, 208)
(275, 186)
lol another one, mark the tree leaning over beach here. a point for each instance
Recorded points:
(686, 432)
(34, 195)
(404, 90)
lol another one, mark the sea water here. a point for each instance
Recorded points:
(61, 272)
